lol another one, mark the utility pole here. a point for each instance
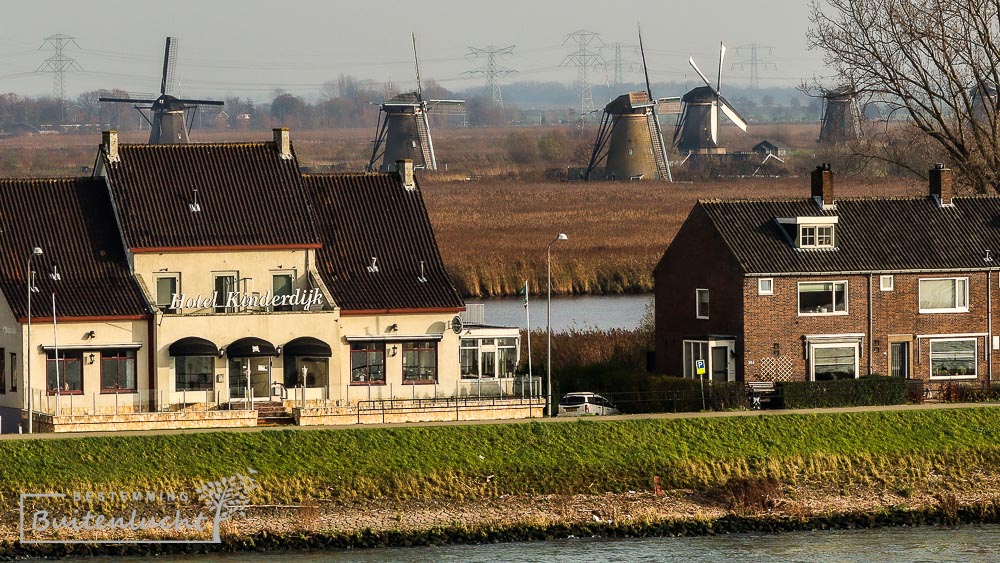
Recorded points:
(754, 62)
(58, 64)
(586, 57)
(492, 70)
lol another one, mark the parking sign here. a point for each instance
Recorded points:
(699, 366)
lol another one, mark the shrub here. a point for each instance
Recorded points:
(866, 391)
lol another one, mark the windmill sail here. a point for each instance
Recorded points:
(697, 129)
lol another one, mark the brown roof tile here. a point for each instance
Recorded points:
(249, 196)
(361, 216)
(71, 220)
(872, 234)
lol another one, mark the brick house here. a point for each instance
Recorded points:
(825, 288)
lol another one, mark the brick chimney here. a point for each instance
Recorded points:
(405, 169)
(822, 186)
(109, 145)
(283, 142)
(941, 185)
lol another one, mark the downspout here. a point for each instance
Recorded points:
(871, 335)
(151, 360)
(989, 327)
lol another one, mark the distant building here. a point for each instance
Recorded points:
(766, 147)
(828, 288)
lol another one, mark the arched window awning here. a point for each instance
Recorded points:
(193, 346)
(307, 346)
(250, 347)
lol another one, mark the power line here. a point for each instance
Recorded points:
(586, 57)
(755, 63)
(491, 69)
(59, 63)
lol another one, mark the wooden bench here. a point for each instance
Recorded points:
(760, 392)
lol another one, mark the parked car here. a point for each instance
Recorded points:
(579, 404)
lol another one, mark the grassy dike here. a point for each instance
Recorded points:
(406, 486)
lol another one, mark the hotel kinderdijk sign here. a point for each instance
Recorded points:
(235, 300)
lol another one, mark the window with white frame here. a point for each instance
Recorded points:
(833, 361)
(815, 236)
(953, 358)
(166, 287)
(885, 283)
(765, 286)
(694, 350)
(823, 298)
(701, 303)
(944, 295)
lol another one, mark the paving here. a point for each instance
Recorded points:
(556, 420)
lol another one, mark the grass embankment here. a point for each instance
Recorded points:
(896, 450)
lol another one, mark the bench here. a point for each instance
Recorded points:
(758, 392)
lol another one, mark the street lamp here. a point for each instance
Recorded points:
(36, 251)
(548, 319)
(54, 276)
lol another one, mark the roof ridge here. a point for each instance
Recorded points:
(185, 145)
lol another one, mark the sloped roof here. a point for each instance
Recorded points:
(872, 234)
(365, 216)
(249, 196)
(71, 220)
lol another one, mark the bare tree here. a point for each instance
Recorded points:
(227, 497)
(933, 62)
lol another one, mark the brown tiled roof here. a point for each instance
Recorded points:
(71, 221)
(872, 235)
(249, 196)
(361, 216)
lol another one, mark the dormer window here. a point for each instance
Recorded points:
(809, 233)
(815, 236)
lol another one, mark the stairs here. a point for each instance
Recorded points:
(659, 153)
(273, 414)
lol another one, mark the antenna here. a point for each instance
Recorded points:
(193, 206)
(423, 277)
(374, 265)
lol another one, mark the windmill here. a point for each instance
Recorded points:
(629, 140)
(403, 130)
(841, 116)
(698, 127)
(168, 125)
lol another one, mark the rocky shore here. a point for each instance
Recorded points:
(383, 523)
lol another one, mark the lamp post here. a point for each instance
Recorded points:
(36, 251)
(54, 276)
(548, 319)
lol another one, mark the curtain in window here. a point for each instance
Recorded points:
(937, 294)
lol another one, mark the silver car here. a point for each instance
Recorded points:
(580, 404)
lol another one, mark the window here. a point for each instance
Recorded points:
(823, 298)
(765, 286)
(368, 363)
(507, 356)
(885, 283)
(815, 236)
(306, 371)
(70, 373)
(953, 358)
(420, 361)
(13, 371)
(701, 304)
(282, 286)
(118, 371)
(834, 361)
(694, 351)
(469, 358)
(193, 373)
(166, 288)
(944, 295)
(224, 285)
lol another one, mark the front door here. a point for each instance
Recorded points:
(720, 363)
(899, 359)
(250, 376)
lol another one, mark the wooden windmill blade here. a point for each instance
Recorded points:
(446, 107)
(168, 82)
(669, 106)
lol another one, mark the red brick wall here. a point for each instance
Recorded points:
(696, 258)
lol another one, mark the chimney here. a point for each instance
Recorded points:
(941, 189)
(109, 145)
(822, 186)
(283, 142)
(405, 169)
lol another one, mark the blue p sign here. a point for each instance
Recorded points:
(699, 366)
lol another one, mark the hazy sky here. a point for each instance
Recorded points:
(250, 47)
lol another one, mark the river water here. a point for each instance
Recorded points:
(967, 543)
(602, 312)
